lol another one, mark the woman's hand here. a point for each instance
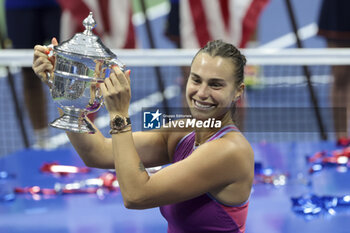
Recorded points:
(116, 92)
(42, 64)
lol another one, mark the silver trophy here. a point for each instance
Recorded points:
(81, 64)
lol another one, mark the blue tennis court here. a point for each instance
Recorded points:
(270, 205)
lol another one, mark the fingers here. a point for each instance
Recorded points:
(40, 51)
(104, 90)
(54, 41)
(116, 91)
(123, 78)
(42, 68)
(41, 64)
(112, 85)
(40, 58)
(117, 81)
(98, 68)
(127, 75)
(41, 48)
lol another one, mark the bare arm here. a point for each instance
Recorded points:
(96, 150)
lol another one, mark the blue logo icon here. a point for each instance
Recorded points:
(151, 120)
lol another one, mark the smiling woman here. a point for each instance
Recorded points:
(207, 184)
(216, 80)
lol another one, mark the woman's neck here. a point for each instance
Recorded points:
(202, 135)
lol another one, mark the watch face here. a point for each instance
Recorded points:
(119, 122)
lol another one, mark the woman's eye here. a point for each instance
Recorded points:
(216, 84)
(196, 80)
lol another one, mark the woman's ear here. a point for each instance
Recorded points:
(239, 92)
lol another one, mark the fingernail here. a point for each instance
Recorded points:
(129, 72)
(47, 52)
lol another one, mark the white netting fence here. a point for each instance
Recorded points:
(275, 80)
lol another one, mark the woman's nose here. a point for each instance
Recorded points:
(203, 91)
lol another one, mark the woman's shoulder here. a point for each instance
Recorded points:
(233, 144)
(238, 142)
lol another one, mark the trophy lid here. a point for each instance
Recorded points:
(86, 43)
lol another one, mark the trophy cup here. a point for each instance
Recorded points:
(81, 64)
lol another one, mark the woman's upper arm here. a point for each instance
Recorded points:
(211, 166)
(152, 148)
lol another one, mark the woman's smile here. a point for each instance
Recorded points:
(202, 106)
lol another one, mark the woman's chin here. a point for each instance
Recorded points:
(201, 115)
(213, 115)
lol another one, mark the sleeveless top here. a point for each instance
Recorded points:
(203, 213)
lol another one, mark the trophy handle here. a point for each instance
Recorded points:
(49, 79)
(48, 75)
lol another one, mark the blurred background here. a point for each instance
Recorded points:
(295, 104)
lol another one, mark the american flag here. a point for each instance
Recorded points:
(114, 20)
(200, 21)
(233, 21)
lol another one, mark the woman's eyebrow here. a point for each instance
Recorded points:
(195, 75)
(216, 80)
(210, 79)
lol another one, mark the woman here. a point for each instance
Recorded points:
(207, 186)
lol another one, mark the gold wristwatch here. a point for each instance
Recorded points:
(120, 124)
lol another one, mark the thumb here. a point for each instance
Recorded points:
(54, 41)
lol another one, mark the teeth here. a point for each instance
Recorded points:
(203, 105)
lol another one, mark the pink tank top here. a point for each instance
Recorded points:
(203, 213)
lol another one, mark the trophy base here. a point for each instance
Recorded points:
(73, 124)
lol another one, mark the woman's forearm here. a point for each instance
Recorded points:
(94, 149)
(131, 173)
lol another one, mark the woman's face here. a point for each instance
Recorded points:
(211, 87)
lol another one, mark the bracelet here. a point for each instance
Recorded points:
(116, 131)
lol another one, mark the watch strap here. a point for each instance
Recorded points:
(128, 121)
(116, 131)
